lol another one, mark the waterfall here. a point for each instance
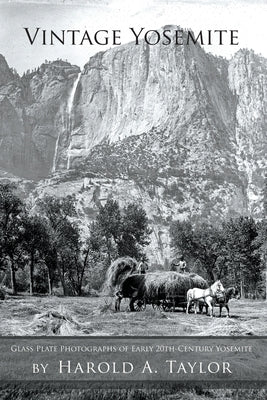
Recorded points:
(69, 110)
(55, 154)
(72, 95)
(69, 120)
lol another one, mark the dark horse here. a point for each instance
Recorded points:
(133, 287)
(222, 301)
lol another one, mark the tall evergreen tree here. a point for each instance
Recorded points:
(260, 244)
(245, 266)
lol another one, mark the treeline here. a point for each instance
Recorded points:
(44, 247)
(234, 251)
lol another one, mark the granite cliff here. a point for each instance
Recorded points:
(176, 129)
(33, 116)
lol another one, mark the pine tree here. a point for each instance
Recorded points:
(244, 262)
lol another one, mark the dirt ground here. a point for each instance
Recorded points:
(25, 315)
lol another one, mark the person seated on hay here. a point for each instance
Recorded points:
(179, 266)
(142, 266)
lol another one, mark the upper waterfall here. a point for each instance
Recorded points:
(69, 111)
(69, 121)
(72, 94)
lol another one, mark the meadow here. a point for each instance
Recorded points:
(72, 316)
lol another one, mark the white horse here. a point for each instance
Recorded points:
(208, 295)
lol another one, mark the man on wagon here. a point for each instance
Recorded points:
(179, 265)
(142, 266)
(182, 265)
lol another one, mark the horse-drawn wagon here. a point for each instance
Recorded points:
(164, 290)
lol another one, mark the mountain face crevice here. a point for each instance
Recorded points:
(180, 131)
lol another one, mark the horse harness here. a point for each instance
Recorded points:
(218, 296)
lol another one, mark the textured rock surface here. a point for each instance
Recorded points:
(175, 129)
(33, 116)
(131, 89)
(248, 80)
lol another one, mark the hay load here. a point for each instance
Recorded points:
(198, 281)
(121, 278)
(158, 286)
(117, 272)
(163, 285)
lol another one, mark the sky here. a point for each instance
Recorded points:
(247, 16)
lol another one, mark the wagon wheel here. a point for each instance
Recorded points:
(166, 305)
(137, 305)
(158, 305)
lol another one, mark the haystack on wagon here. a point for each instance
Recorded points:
(163, 290)
(117, 272)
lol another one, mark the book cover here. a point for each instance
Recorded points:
(133, 199)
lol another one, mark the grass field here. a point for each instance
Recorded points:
(25, 315)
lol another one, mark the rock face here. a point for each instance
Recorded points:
(175, 129)
(248, 80)
(33, 117)
(132, 89)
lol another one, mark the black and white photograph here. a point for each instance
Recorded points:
(133, 199)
